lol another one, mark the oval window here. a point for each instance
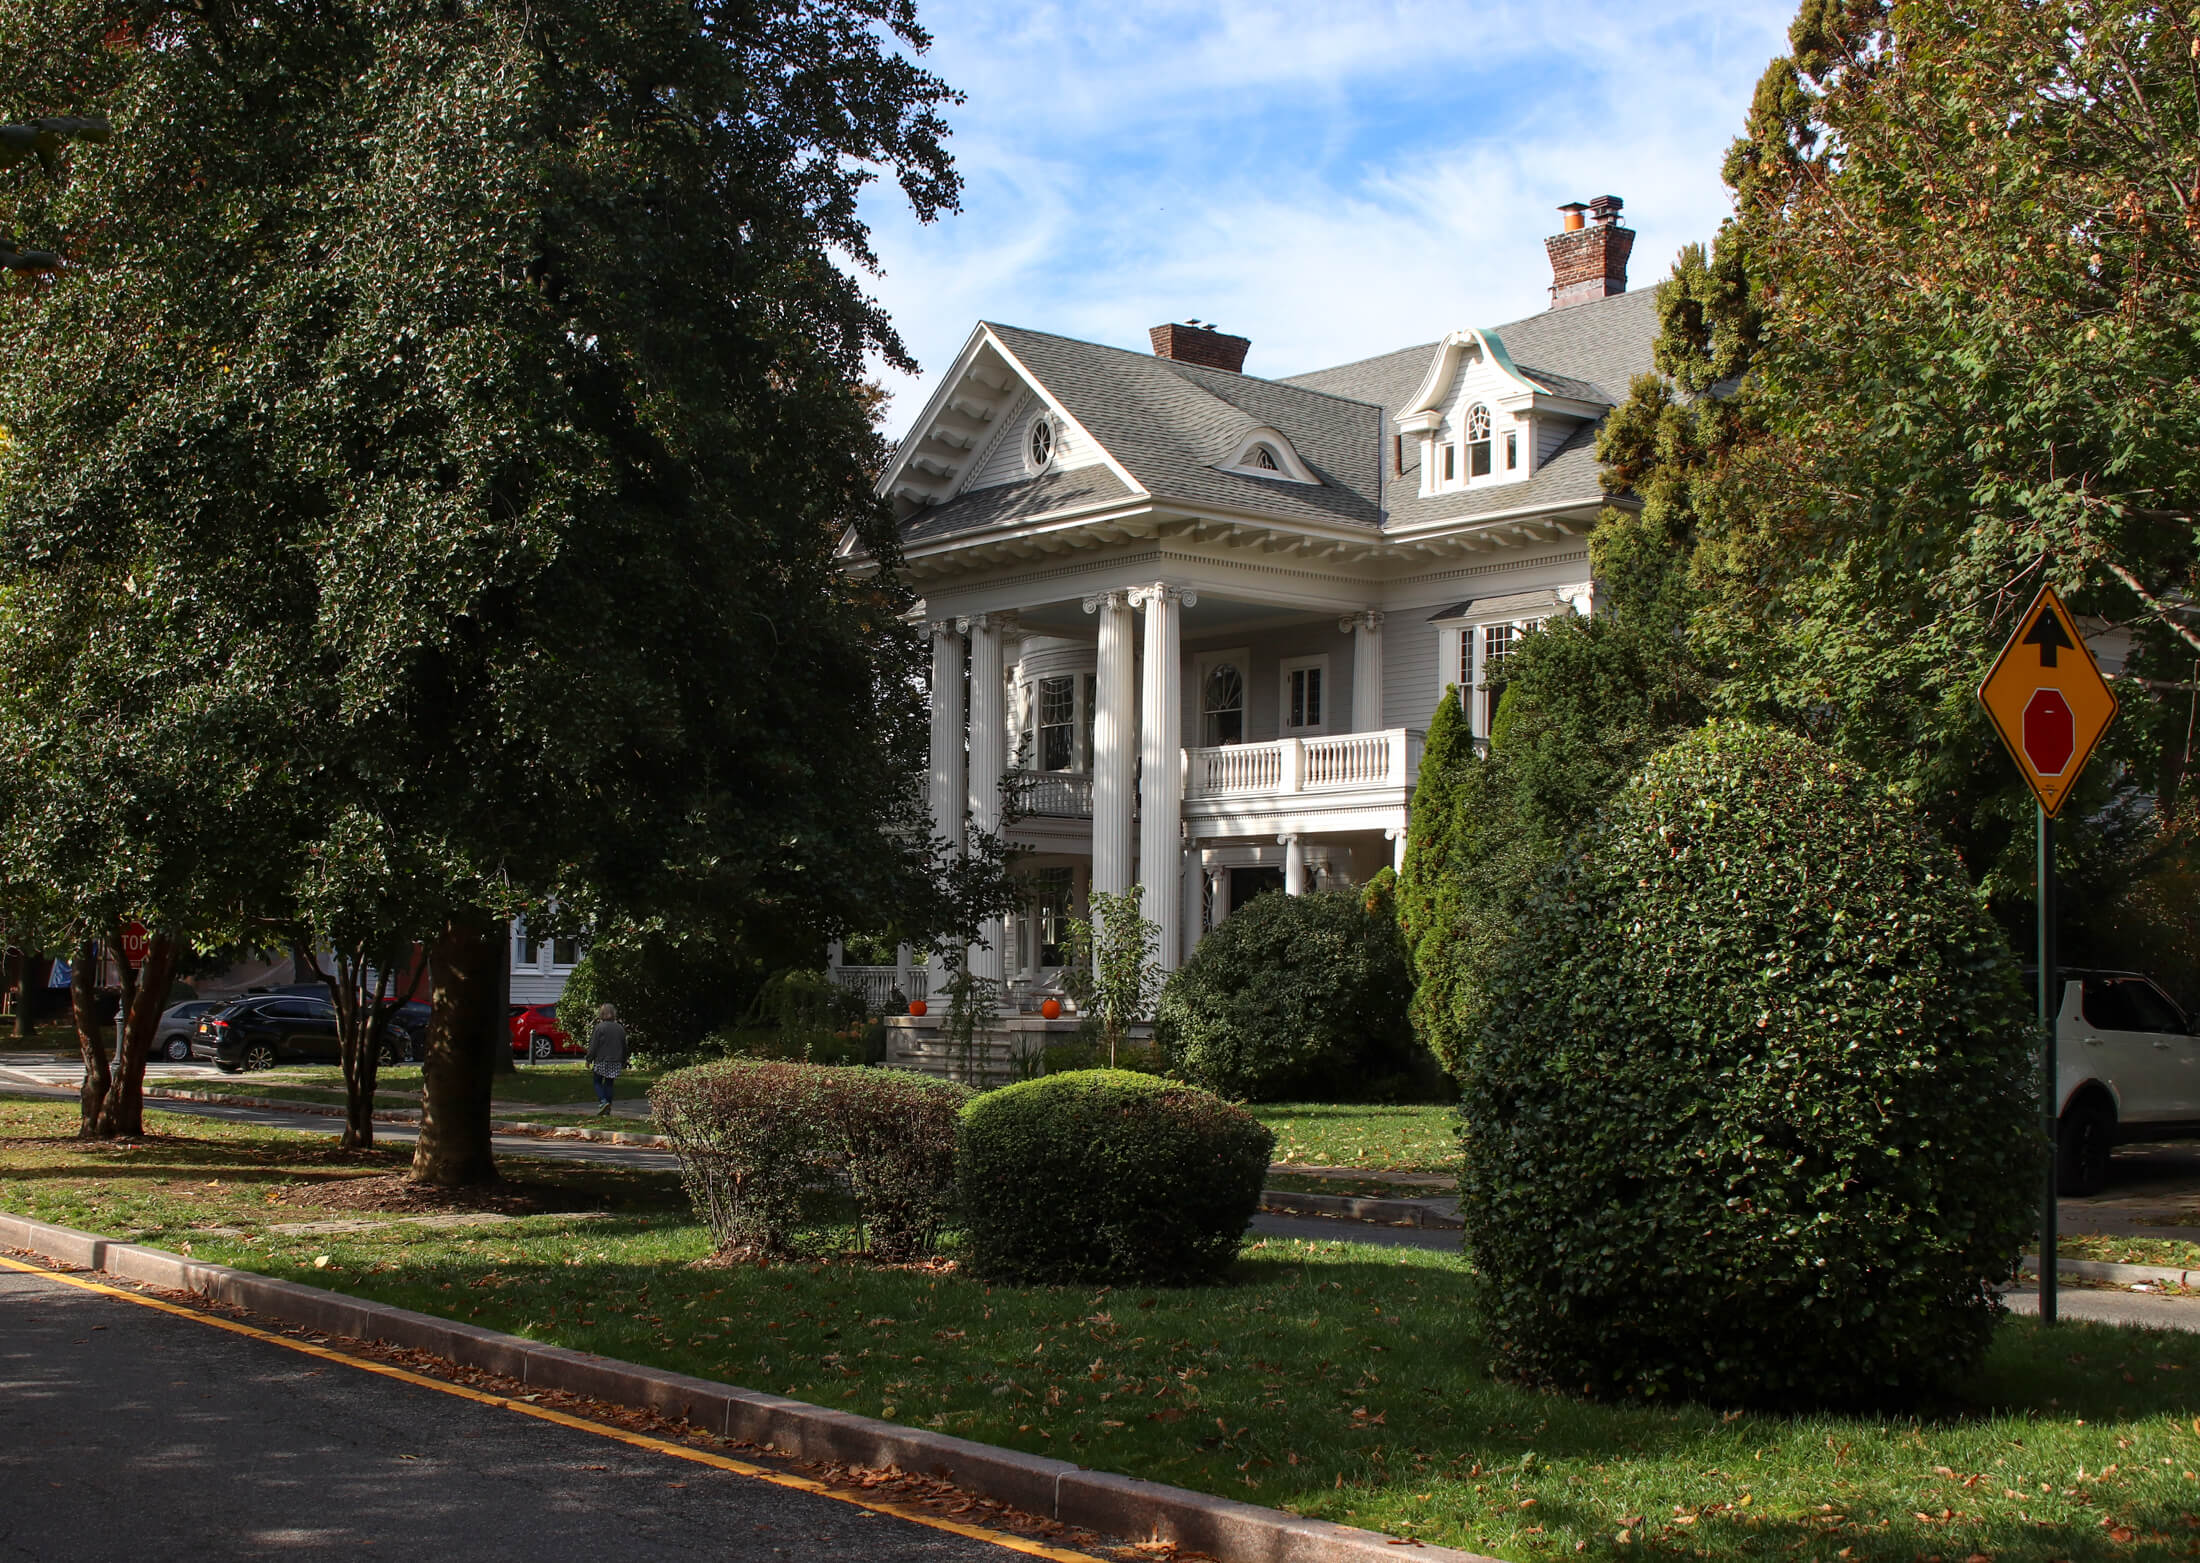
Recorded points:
(1041, 447)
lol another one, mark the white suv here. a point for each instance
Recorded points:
(2127, 1068)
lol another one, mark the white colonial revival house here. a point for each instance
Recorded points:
(1188, 625)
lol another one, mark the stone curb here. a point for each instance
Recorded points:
(2102, 1270)
(1384, 1212)
(1096, 1500)
(553, 1131)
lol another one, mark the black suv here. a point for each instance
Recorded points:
(259, 1031)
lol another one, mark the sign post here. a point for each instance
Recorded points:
(2047, 699)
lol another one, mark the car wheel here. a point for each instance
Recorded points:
(539, 1050)
(2082, 1142)
(260, 1055)
(396, 1050)
(176, 1050)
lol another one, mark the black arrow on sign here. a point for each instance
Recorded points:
(2048, 634)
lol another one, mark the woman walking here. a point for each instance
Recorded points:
(606, 1054)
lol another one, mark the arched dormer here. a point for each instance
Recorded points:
(1265, 453)
(1480, 419)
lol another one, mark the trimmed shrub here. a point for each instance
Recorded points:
(772, 1151)
(1107, 1176)
(1296, 997)
(1751, 1116)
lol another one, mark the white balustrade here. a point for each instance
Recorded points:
(877, 984)
(1341, 762)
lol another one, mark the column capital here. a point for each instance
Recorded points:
(1371, 621)
(1162, 591)
(1003, 622)
(1099, 600)
(936, 628)
(1284, 841)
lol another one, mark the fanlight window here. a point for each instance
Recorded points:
(1478, 441)
(1265, 459)
(1222, 704)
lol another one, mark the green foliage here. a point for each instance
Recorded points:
(1109, 1177)
(1585, 702)
(1752, 1116)
(1296, 998)
(439, 439)
(1114, 969)
(767, 1149)
(973, 1011)
(1087, 1052)
(1433, 824)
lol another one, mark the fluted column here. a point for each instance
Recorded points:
(988, 757)
(1193, 877)
(1114, 743)
(1161, 789)
(1366, 630)
(947, 735)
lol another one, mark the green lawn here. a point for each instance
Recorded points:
(1399, 1139)
(2175, 1252)
(1340, 1380)
(542, 1085)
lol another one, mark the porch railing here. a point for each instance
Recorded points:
(1336, 763)
(1051, 794)
(877, 985)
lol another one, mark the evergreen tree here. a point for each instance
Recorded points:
(428, 465)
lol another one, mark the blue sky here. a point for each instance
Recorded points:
(1332, 180)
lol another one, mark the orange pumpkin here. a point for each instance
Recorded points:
(916, 1007)
(1051, 1009)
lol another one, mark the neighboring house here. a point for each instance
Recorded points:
(1199, 619)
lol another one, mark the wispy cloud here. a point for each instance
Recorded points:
(1329, 180)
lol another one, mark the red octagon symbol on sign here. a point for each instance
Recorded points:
(2050, 732)
(134, 942)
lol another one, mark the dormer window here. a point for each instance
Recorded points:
(1478, 442)
(1266, 453)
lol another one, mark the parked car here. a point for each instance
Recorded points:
(2127, 1068)
(406, 1039)
(537, 1035)
(262, 1030)
(179, 1028)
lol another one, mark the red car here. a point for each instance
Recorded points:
(536, 1034)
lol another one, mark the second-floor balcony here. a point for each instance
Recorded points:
(1287, 767)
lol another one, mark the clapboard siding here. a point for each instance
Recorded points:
(1002, 459)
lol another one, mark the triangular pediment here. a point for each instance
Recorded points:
(991, 422)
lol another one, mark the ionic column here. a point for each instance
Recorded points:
(948, 789)
(1114, 745)
(1218, 893)
(1294, 866)
(1397, 850)
(1161, 730)
(1366, 630)
(1194, 880)
(988, 758)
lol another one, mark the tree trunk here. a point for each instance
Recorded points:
(90, 1038)
(467, 1027)
(362, 1024)
(18, 969)
(123, 1112)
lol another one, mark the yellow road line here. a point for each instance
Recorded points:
(1013, 1543)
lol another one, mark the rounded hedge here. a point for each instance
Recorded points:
(1107, 1176)
(1296, 997)
(1752, 1115)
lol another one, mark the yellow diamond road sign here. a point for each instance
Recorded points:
(2048, 700)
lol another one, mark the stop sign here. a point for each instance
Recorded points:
(134, 941)
(2050, 732)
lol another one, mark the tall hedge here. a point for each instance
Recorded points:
(1750, 1116)
(1294, 997)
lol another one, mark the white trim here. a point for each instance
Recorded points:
(1107, 457)
(1284, 670)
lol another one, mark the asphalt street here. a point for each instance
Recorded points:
(134, 1433)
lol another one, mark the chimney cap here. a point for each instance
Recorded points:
(1606, 208)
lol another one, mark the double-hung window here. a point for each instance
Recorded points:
(1058, 723)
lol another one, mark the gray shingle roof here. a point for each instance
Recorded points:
(1168, 423)
(1034, 497)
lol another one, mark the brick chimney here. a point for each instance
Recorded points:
(1196, 343)
(1589, 260)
